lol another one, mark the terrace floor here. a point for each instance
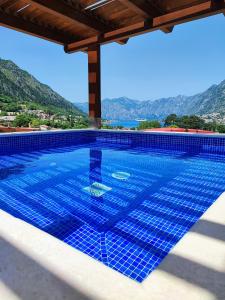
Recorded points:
(35, 265)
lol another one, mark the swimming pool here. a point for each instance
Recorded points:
(124, 199)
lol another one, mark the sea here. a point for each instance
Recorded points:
(124, 123)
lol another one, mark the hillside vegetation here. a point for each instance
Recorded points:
(18, 87)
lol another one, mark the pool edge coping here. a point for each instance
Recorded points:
(136, 132)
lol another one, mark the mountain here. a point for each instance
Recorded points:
(19, 87)
(83, 106)
(210, 101)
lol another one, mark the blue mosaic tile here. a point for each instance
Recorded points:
(125, 199)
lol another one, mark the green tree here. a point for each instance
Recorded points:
(221, 128)
(22, 120)
(183, 122)
(149, 125)
(187, 122)
(33, 106)
(190, 122)
(210, 126)
(105, 126)
(196, 122)
(14, 107)
(35, 123)
(171, 120)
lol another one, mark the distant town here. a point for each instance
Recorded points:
(37, 119)
(27, 119)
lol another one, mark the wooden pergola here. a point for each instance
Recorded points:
(85, 25)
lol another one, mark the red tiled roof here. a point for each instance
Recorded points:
(170, 129)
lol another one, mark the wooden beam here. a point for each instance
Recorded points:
(158, 23)
(94, 82)
(111, 36)
(216, 4)
(123, 42)
(19, 24)
(189, 14)
(167, 29)
(146, 10)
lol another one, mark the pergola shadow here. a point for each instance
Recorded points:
(26, 278)
(210, 229)
(194, 272)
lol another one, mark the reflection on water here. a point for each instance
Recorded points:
(6, 172)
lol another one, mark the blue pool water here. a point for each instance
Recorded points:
(125, 206)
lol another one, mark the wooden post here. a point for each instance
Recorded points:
(94, 79)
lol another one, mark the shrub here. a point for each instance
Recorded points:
(171, 120)
(22, 120)
(221, 128)
(149, 125)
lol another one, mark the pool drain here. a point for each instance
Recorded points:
(121, 175)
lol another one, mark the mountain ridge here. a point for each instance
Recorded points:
(210, 101)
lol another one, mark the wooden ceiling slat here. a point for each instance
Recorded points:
(19, 24)
(6, 4)
(62, 10)
(144, 9)
(168, 20)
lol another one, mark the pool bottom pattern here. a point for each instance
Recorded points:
(125, 207)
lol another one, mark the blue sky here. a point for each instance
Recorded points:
(150, 66)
